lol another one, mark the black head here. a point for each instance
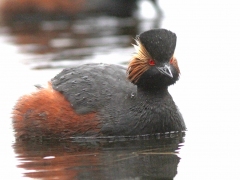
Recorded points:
(159, 43)
(154, 64)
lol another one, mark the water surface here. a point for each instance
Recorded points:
(207, 95)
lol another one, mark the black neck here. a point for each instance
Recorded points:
(152, 92)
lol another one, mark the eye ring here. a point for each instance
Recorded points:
(151, 62)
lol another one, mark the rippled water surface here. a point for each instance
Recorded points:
(207, 94)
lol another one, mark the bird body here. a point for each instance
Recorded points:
(107, 100)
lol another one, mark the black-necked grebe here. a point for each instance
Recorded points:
(101, 100)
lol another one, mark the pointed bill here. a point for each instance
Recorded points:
(165, 70)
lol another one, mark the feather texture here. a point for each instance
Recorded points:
(139, 62)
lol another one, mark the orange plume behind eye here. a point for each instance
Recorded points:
(174, 62)
(139, 62)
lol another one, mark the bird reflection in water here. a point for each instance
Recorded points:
(122, 158)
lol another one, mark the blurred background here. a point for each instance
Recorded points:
(60, 33)
(38, 38)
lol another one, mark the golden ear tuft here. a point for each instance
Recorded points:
(139, 62)
(174, 62)
(141, 52)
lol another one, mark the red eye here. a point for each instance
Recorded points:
(151, 62)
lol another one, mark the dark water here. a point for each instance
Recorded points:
(207, 95)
